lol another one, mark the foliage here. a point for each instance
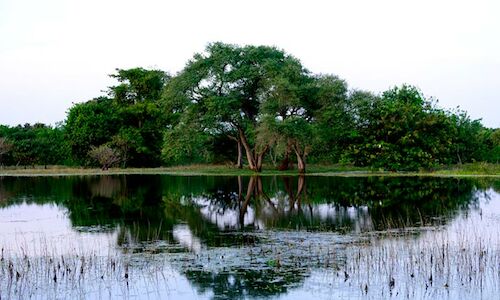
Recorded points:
(232, 101)
(223, 89)
(333, 117)
(472, 141)
(105, 156)
(5, 147)
(186, 144)
(36, 144)
(91, 123)
(130, 119)
(402, 131)
(138, 85)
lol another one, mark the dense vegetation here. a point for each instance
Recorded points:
(251, 105)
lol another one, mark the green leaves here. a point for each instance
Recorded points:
(33, 144)
(255, 99)
(402, 131)
(137, 85)
(131, 120)
(228, 90)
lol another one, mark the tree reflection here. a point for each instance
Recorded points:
(242, 283)
(150, 206)
(171, 214)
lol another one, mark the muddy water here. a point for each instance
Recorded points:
(178, 237)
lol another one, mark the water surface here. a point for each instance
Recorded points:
(184, 237)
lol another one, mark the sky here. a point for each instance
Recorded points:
(55, 53)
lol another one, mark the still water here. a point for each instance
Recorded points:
(182, 237)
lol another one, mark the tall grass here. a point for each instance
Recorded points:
(411, 263)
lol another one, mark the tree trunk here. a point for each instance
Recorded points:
(301, 162)
(260, 158)
(239, 162)
(285, 163)
(248, 150)
(458, 155)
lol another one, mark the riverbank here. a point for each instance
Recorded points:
(465, 170)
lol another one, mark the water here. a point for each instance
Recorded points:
(180, 237)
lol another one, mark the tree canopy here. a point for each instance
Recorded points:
(251, 105)
(129, 120)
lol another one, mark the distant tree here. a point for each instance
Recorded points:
(36, 144)
(306, 114)
(142, 121)
(91, 123)
(494, 150)
(138, 85)
(129, 119)
(401, 130)
(334, 117)
(469, 140)
(143, 125)
(293, 134)
(105, 156)
(5, 147)
(187, 144)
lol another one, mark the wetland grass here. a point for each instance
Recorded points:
(435, 264)
(81, 275)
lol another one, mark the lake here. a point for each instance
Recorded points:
(223, 237)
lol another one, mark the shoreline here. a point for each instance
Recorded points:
(224, 170)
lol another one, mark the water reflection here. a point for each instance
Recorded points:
(150, 207)
(196, 217)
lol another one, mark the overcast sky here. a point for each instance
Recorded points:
(54, 53)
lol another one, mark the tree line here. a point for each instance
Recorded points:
(251, 105)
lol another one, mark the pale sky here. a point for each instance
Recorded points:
(54, 53)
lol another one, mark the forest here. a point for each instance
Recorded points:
(251, 106)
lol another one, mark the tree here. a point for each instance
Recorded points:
(91, 123)
(291, 134)
(36, 144)
(401, 130)
(334, 117)
(105, 156)
(130, 119)
(187, 143)
(470, 139)
(306, 113)
(5, 147)
(138, 85)
(126, 141)
(288, 115)
(494, 150)
(223, 90)
(142, 122)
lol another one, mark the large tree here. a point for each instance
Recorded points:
(288, 115)
(306, 113)
(222, 91)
